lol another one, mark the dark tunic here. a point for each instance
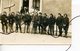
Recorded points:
(52, 20)
(4, 19)
(11, 19)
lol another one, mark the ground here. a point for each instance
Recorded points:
(28, 38)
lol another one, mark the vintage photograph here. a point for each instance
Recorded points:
(35, 22)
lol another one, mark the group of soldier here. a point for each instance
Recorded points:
(39, 22)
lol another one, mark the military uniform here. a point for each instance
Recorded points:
(44, 24)
(18, 19)
(27, 20)
(51, 25)
(66, 25)
(4, 22)
(59, 23)
(35, 23)
(22, 11)
(40, 19)
(11, 22)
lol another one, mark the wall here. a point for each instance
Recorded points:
(48, 6)
(57, 6)
(11, 2)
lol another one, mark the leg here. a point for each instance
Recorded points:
(27, 28)
(60, 31)
(20, 28)
(12, 28)
(53, 30)
(16, 28)
(66, 31)
(9, 27)
(39, 28)
(6, 28)
(50, 32)
(3, 28)
(24, 28)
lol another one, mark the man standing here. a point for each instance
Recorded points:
(40, 22)
(44, 23)
(59, 23)
(35, 23)
(27, 20)
(4, 22)
(51, 21)
(66, 24)
(18, 19)
(11, 21)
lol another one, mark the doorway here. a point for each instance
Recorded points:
(25, 6)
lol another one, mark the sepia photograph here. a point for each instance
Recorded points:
(35, 22)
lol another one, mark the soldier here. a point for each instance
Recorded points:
(4, 21)
(35, 22)
(59, 23)
(40, 22)
(51, 24)
(27, 20)
(24, 10)
(18, 18)
(11, 21)
(66, 24)
(44, 23)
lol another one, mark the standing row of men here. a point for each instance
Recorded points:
(39, 21)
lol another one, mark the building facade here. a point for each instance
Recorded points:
(44, 6)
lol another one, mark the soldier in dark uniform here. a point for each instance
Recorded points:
(59, 23)
(51, 21)
(4, 22)
(11, 21)
(18, 19)
(35, 22)
(23, 10)
(44, 23)
(27, 20)
(66, 24)
(40, 22)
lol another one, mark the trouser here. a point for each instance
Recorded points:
(11, 27)
(44, 29)
(40, 28)
(66, 30)
(28, 25)
(18, 26)
(51, 29)
(60, 30)
(4, 28)
(34, 28)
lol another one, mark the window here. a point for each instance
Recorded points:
(36, 4)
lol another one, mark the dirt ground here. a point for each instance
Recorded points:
(28, 38)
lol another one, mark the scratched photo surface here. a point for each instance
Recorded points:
(39, 22)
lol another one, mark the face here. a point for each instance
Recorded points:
(13, 13)
(40, 14)
(59, 15)
(65, 15)
(4, 13)
(44, 14)
(50, 15)
(18, 13)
